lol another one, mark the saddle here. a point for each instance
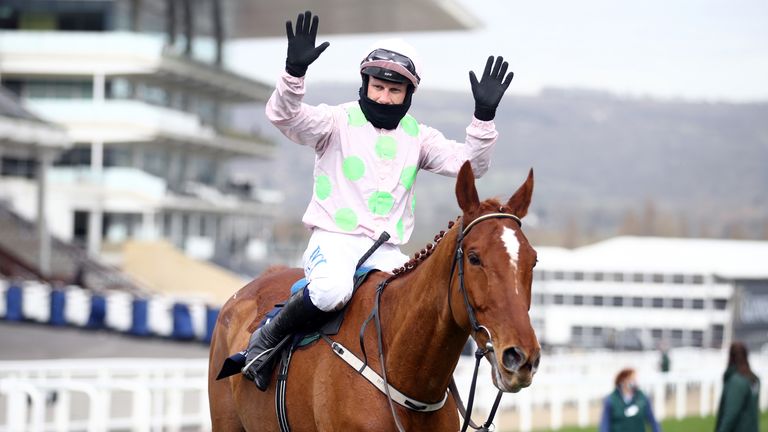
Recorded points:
(235, 363)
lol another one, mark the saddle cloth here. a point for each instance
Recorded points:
(234, 363)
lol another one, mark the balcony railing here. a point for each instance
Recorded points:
(135, 121)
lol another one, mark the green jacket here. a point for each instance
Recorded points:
(632, 416)
(738, 411)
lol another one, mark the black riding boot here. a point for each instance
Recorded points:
(298, 314)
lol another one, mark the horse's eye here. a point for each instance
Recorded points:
(474, 259)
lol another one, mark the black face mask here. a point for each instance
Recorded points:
(380, 115)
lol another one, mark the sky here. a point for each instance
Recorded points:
(704, 50)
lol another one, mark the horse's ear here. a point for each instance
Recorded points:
(466, 193)
(522, 198)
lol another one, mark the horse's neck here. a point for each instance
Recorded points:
(423, 343)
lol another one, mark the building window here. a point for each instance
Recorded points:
(597, 300)
(618, 277)
(720, 304)
(18, 167)
(697, 338)
(717, 336)
(697, 279)
(677, 303)
(697, 304)
(559, 299)
(538, 299)
(637, 277)
(80, 155)
(578, 300)
(118, 157)
(677, 337)
(598, 276)
(579, 276)
(617, 301)
(678, 279)
(637, 302)
(658, 278)
(559, 275)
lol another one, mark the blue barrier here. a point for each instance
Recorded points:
(181, 314)
(182, 322)
(140, 323)
(58, 301)
(211, 314)
(14, 300)
(98, 312)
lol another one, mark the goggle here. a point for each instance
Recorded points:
(387, 55)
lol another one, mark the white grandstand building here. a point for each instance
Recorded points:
(646, 292)
(143, 92)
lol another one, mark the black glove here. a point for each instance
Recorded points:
(301, 46)
(490, 89)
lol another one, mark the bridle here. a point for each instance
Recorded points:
(458, 263)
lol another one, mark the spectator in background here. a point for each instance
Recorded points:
(664, 361)
(627, 409)
(738, 411)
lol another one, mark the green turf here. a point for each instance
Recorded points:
(689, 424)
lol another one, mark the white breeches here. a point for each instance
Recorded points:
(329, 265)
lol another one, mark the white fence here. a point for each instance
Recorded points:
(569, 388)
(170, 395)
(99, 395)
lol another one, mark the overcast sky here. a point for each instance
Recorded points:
(691, 49)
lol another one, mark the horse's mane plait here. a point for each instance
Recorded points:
(422, 255)
(419, 257)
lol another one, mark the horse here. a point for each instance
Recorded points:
(427, 312)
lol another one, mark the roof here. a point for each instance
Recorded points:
(254, 19)
(730, 259)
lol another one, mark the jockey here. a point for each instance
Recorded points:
(367, 155)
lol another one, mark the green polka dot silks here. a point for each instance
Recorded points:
(322, 187)
(353, 168)
(410, 125)
(380, 203)
(408, 176)
(386, 147)
(356, 117)
(346, 219)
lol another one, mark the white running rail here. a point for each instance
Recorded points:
(148, 395)
(97, 395)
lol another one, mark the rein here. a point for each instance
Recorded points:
(476, 327)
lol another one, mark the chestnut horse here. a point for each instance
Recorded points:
(425, 325)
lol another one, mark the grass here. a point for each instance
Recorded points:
(689, 424)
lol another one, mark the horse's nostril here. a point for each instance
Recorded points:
(513, 358)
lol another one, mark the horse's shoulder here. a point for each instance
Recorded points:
(259, 295)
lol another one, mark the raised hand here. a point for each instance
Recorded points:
(301, 45)
(489, 90)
